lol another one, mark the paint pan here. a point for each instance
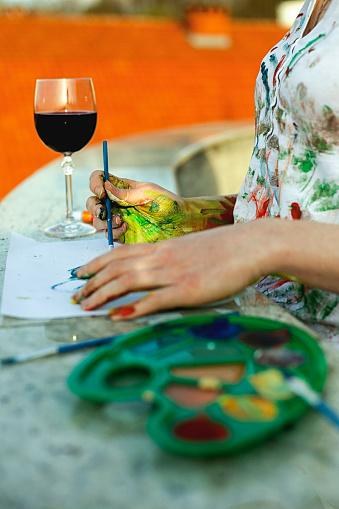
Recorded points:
(265, 338)
(279, 357)
(271, 384)
(161, 346)
(189, 396)
(158, 343)
(219, 329)
(249, 408)
(227, 373)
(200, 429)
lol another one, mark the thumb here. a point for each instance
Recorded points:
(126, 192)
(116, 189)
(116, 194)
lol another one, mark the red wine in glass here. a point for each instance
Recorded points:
(66, 132)
(65, 118)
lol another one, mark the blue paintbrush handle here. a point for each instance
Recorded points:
(328, 412)
(108, 201)
(109, 222)
(302, 389)
(80, 345)
(56, 350)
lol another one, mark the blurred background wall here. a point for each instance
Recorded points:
(155, 64)
(240, 8)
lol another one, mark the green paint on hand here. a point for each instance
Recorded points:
(162, 216)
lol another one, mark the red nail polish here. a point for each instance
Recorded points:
(123, 311)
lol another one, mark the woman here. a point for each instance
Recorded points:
(293, 174)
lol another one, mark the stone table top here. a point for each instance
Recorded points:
(58, 452)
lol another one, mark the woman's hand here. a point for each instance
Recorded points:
(146, 212)
(142, 212)
(184, 272)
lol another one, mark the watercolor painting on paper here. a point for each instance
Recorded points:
(38, 283)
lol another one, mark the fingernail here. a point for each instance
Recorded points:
(121, 312)
(98, 211)
(84, 304)
(99, 191)
(117, 220)
(86, 275)
(77, 298)
(74, 272)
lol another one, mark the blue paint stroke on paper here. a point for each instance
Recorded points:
(70, 285)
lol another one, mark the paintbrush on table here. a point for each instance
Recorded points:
(302, 389)
(56, 350)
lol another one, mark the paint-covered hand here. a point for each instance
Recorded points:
(96, 205)
(183, 272)
(146, 212)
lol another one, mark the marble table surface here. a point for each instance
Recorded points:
(58, 452)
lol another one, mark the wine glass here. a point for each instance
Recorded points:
(65, 118)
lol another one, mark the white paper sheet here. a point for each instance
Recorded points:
(37, 278)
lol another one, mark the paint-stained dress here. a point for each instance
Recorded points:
(294, 170)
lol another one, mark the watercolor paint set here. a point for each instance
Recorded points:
(215, 384)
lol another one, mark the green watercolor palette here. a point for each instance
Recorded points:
(215, 384)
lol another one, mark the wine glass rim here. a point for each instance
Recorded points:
(60, 79)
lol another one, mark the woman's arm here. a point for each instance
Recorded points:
(208, 212)
(310, 253)
(146, 212)
(212, 265)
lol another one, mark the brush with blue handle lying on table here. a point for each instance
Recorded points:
(302, 389)
(56, 350)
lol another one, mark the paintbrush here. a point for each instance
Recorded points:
(313, 398)
(107, 201)
(56, 350)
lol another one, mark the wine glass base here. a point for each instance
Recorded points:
(70, 230)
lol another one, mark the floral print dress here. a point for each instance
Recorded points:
(294, 170)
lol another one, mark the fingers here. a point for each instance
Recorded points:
(118, 254)
(105, 293)
(94, 205)
(125, 283)
(96, 184)
(123, 182)
(125, 190)
(98, 211)
(157, 300)
(115, 193)
(102, 277)
(138, 194)
(117, 231)
(97, 187)
(137, 272)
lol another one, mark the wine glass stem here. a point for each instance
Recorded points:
(67, 166)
